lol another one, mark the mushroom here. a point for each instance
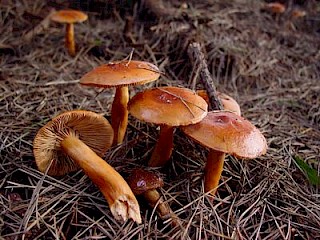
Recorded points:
(168, 107)
(78, 139)
(145, 183)
(120, 75)
(228, 102)
(225, 132)
(275, 7)
(69, 17)
(298, 13)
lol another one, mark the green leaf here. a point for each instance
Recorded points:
(310, 172)
(97, 42)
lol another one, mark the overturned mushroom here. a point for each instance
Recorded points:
(78, 139)
(121, 75)
(145, 183)
(168, 107)
(225, 132)
(69, 17)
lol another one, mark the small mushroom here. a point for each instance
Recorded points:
(168, 107)
(78, 139)
(275, 7)
(69, 17)
(121, 75)
(225, 132)
(298, 13)
(228, 102)
(145, 183)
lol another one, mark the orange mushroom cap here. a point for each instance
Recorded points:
(228, 102)
(276, 7)
(69, 16)
(91, 128)
(122, 73)
(172, 106)
(229, 133)
(298, 13)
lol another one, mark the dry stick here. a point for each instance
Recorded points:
(199, 62)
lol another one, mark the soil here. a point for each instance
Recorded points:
(269, 62)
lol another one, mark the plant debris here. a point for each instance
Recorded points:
(269, 64)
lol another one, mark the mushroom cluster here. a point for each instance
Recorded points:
(79, 139)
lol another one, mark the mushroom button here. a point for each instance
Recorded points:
(69, 17)
(168, 107)
(78, 139)
(145, 183)
(120, 75)
(225, 132)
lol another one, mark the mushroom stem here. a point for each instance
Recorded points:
(163, 148)
(213, 170)
(119, 114)
(69, 38)
(122, 202)
(153, 198)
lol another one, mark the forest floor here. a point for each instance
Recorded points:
(270, 63)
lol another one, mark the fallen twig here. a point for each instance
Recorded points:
(199, 62)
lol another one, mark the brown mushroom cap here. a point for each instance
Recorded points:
(141, 181)
(122, 73)
(69, 16)
(228, 102)
(172, 106)
(229, 133)
(91, 128)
